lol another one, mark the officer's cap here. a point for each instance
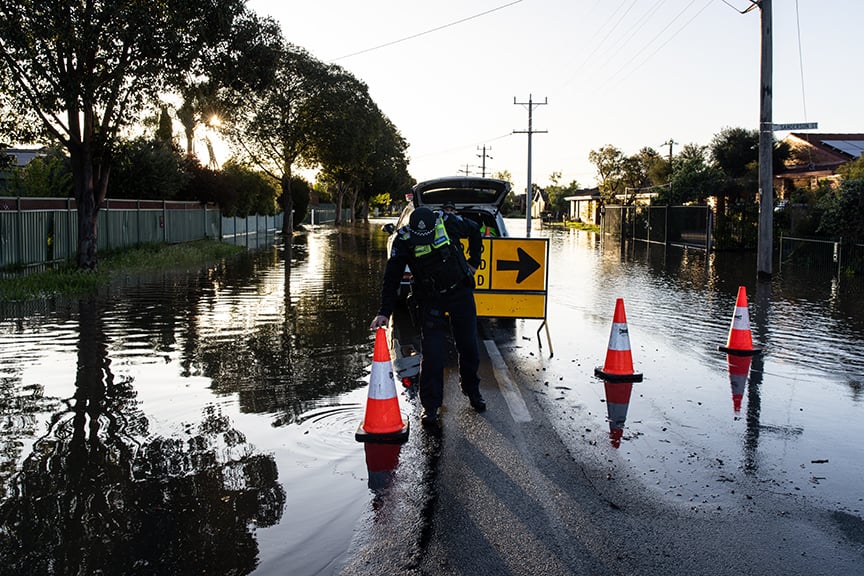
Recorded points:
(421, 225)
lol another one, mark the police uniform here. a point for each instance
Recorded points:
(443, 287)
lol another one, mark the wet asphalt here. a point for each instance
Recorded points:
(503, 493)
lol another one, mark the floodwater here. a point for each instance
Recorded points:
(202, 421)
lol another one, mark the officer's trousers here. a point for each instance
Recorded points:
(454, 312)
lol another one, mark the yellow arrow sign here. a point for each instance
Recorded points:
(513, 264)
(511, 279)
(518, 264)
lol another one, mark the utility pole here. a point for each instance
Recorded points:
(484, 156)
(529, 190)
(765, 247)
(670, 143)
(466, 171)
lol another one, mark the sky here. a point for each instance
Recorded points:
(455, 76)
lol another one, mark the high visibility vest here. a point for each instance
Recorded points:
(439, 266)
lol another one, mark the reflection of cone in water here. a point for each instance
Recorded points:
(383, 421)
(619, 362)
(739, 368)
(740, 342)
(381, 463)
(617, 403)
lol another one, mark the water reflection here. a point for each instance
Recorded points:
(382, 460)
(617, 404)
(739, 370)
(99, 494)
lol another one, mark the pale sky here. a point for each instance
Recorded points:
(630, 73)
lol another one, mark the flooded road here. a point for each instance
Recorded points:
(203, 421)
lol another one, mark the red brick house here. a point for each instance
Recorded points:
(814, 158)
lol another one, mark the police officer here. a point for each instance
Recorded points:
(443, 284)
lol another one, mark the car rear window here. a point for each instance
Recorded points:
(460, 195)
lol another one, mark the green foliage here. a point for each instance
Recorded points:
(853, 170)
(83, 71)
(237, 189)
(508, 207)
(622, 178)
(148, 170)
(165, 130)
(68, 280)
(557, 194)
(44, 177)
(843, 211)
(609, 162)
(6, 160)
(381, 200)
(736, 151)
(694, 180)
(300, 190)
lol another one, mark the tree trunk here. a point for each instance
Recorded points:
(81, 158)
(339, 196)
(287, 205)
(354, 196)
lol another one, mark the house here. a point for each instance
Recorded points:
(585, 206)
(23, 156)
(19, 158)
(539, 204)
(815, 157)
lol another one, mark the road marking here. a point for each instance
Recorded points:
(515, 402)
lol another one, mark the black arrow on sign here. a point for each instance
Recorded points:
(526, 265)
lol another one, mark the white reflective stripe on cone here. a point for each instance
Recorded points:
(619, 338)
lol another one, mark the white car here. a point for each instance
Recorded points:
(478, 199)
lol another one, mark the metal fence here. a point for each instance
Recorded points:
(39, 231)
(676, 225)
(821, 257)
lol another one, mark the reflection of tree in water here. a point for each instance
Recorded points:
(92, 498)
(18, 422)
(320, 348)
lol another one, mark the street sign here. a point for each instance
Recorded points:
(800, 126)
(512, 276)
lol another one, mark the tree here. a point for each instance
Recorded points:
(45, 176)
(273, 129)
(359, 150)
(83, 71)
(843, 211)
(147, 169)
(508, 207)
(694, 179)
(736, 152)
(609, 162)
(247, 64)
(557, 194)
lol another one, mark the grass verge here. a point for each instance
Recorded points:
(69, 280)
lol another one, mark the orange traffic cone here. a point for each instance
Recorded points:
(383, 421)
(739, 368)
(619, 362)
(740, 342)
(617, 403)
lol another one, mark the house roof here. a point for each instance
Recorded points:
(820, 152)
(23, 156)
(585, 194)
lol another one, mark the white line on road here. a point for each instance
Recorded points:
(518, 408)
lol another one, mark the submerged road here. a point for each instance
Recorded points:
(503, 493)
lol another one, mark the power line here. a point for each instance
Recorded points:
(668, 40)
(801, 60)
(427, 31)
(640, 24)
